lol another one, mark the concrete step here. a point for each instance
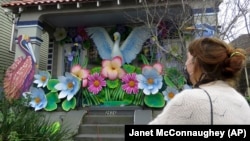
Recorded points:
(99, 137)
(104, 110)
(108, 119)
(101, 129)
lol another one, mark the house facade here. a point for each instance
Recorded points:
(53, 27)
(6, 55)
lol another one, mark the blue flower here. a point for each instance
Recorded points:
(169, 93)
(42, 78)
(150, 80)
(69, 85)
(37, 98)
(186, 86)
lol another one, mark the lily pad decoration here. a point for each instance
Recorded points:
(128, 98)
(138, 70)
(52, 99)
(129, 68)
(116, 103)
(113, 83)
(51, 84)
(96, 70)
(155, 101)
(67, 105)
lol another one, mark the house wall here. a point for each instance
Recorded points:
(205, 11)
(6, 56)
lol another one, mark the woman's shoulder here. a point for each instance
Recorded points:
(189, 95)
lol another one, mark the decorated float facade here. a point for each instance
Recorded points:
(103, 52)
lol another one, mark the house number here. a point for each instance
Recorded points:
(110, 113)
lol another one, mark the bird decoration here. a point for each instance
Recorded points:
(19, 76)
(127, 50)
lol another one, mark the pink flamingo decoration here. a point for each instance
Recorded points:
(19, 76)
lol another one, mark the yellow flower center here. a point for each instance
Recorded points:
(131, 83)
(150, 80)
(96, 83)
(170, 95)
(70, 85)
(37, 100)
(43, 78)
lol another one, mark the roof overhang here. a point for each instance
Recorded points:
(65, 13)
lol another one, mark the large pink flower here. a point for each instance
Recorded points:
(96, 82)
(81, 73)
(130, 83)
(112, 68)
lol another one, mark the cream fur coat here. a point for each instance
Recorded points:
(192, 106)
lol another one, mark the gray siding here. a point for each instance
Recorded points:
(6, 57)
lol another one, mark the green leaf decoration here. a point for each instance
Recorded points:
(67, 105)
(155, 101)
(76, 60)
(116, 103)
(139, 98)
(113, 83)
(138, 70)
(55, 127)
(87, 44)
(174, 78)
(51, 84)
(129, 68)
(129, 98)
(168, 81)
(101, 95)
(90, 99)
(95, 70)
(52, 99)
(144, 59)
(85, 62)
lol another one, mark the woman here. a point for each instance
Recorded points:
(213, 67)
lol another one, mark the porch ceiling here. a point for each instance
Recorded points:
(88, 14)
(104, 18)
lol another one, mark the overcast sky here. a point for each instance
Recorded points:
(239, 28)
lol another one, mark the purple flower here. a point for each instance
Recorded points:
(95, 83)
(130, 83)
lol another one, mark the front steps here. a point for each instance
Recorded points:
(105, 123)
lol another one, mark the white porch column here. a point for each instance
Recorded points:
(34, 30)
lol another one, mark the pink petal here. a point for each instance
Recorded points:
(112, 75)
(86, 73)
(75, 69)
(84, 82)
(104, 72)
(147, 67)
(116, 62)
(106, 63)
(121, 73)
(158, 67)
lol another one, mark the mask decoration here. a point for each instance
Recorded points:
(187, 77)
